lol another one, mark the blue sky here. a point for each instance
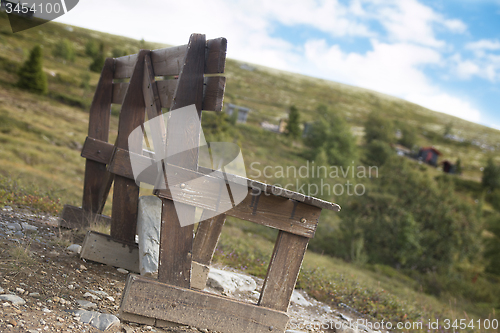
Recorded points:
(444, 55)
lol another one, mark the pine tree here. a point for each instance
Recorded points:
(293, 125)
(99, 59)
(491, 175)
(31, 75)
(64, 50)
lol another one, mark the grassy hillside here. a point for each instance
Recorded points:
(40, 166)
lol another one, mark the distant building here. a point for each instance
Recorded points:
(242, 112)
(448, 167)
(429, 155)
(280, 128)
(307, 129)
(401, 150)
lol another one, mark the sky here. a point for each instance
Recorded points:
(441, 54)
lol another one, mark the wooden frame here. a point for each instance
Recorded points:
(175, 298)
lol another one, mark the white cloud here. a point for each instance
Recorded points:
(483, 44)
(482, 65)
(411, 21)
(392, 69)
(406, 44)
(455, 25)
(389, 68)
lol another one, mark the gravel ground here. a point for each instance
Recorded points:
(50, 283)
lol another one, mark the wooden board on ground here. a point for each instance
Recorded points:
(153, 299)
(73, 217)
(106, 250)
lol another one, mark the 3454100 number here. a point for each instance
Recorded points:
(24, 8)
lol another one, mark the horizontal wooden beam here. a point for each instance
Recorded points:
(213, 92)
(92, 146)
(73, 217)
(262, 208)
(150, 298)
(169, 61)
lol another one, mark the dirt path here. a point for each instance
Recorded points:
(36, 268)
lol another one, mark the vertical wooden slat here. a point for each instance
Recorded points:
(100, 109)
(283, 271)
(175, 261)
(153, 104)
(206, 239)
(126, 192)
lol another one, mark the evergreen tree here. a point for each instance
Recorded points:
(293, 125)
(331, 133)
(378, 128)
(64, 50)
(409, 136)
(91, 48)
(99, 59)
(491, 175)
(458, 167)
(31, 75)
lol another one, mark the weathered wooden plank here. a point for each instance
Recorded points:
(213, 93)
(99, 115)
(76, 218)
(119, 91)
(199, 275)
(132, 318)
(216, 56)
(176, 242)
(107, 250)
(124, 66)
(126, 192)
(166, 90)
(153, 105)
(264, 208)
(94, 149)
(206, 239)
(253, 184)
(153, 299)
(125, 170)
(283, 271)
(169, 61)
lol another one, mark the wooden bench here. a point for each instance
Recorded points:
(175, 297)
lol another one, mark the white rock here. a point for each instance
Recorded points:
(14, 226)
(74, 248)
(121, 270)
(299, 299)
(229, 281)
(35, 294)
(110, 298)
(100, 293)
(101, 321)
(1, 290)
(16, 300)
(86, 304)
(148, 231)
(28, 227)
(91, 296)
(20, 290)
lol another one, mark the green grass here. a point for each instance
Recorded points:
(375, 292)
